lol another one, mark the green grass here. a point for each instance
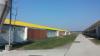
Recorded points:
(50, 42)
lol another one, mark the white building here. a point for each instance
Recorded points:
(22, 32)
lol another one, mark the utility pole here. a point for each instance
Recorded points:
(8, 47)
(10, 27)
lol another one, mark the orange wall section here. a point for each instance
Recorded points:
(36, 34)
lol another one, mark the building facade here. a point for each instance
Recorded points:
(20, 32)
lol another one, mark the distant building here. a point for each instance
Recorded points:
(93, 30)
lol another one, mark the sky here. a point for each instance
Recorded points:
(74, 15)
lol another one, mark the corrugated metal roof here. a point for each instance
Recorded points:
(20, 23)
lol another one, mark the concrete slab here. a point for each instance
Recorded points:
(83, 47)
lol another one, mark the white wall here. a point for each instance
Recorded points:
(57, 33)
(51, 33)
(65, 33)
(25, 34)
(4, 35)
(69, 33)
(18, 35)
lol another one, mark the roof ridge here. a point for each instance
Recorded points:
(21, 23)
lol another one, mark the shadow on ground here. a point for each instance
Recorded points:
(93, 40)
